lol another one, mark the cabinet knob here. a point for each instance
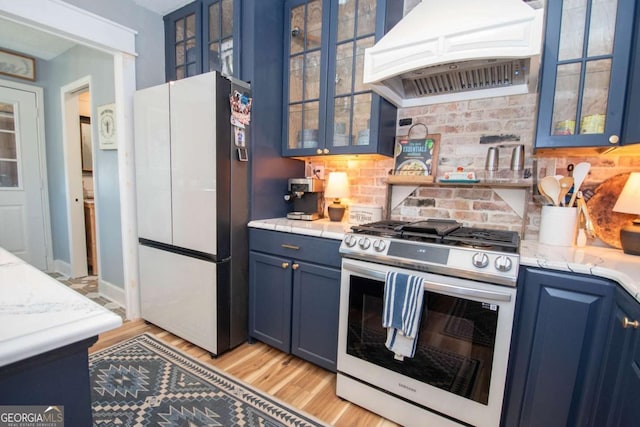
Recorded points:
(626, 323)
(613, 139)
(285, 264)
(325, 151)
(318, 151)
(295, 266)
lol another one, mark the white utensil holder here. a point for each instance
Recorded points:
(558, 226)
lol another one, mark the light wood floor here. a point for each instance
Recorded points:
(286, 377)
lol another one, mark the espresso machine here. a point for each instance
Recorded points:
(307, 197)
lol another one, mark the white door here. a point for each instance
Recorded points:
(22, 226)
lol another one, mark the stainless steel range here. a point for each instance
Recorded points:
(457, 374)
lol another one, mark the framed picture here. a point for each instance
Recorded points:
(417, 156)
(16, 65)
(85, 144)
(107, 127)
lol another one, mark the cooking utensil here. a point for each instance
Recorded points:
(551, 187)
(566, 183)
(580, 172)
(570, 168)
(545, 197)
(588, 224)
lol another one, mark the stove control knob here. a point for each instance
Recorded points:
(350, 240)
(503, 263)
(364, 243)
(379, 245)
(480, 260)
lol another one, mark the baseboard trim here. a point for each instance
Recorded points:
(62, 267)
(111, 291)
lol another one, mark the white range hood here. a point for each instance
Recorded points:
(453, 50)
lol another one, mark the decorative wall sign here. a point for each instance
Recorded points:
(107, 127)
(17, 65)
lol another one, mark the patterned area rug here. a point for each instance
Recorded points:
(144, 382)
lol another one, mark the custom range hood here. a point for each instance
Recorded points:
(453, 50)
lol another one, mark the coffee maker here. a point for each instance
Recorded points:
(307, 196)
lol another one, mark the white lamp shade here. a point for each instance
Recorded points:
(337, 186)
(629, 199)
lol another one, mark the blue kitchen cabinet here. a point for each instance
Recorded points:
(327, 108)
(203, 36)
(294, 294)
(558, 347)
(619, 399)
(585, 69)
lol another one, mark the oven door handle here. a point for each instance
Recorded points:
(431, 286)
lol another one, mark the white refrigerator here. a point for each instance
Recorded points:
(193, 208)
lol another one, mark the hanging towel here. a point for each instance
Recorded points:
(402, 310)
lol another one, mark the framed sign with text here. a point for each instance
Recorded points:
(107, 127)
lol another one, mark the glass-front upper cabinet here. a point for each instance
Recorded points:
(585, 68)
(200, 37)
(328, 109)
(9, 165)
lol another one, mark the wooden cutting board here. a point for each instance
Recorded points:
(606, 222)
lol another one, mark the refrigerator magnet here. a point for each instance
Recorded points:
(243, 155)
(239, 139)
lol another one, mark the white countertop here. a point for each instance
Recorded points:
(599, 261)
(39, 314)
(318, 228)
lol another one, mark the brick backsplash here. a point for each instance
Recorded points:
(461, 125)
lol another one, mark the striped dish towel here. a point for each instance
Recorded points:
(402, 310)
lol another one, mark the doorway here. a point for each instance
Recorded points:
(79, 164)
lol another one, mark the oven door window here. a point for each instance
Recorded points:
(455, 340)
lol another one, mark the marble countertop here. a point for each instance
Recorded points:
(599, 261)
(39, 314)
(318, 228)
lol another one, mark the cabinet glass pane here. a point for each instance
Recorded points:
(181, 72)
(565, 102)
(311, 121)
(295, 126)
(227, 56)
(295, 78)
(602, 27)
(312, 75)
(314, 24)
(191, 51)
(7, 146)
(346, 20)
(191, 70)
(342, 133)
(296, 44)
(366, 17)
(180, 30)
(227, 18)
(344, 68)
(214, 22)
(214, 56)
(8, 174)
(180, 54)
(574, 13)
(191, 26)
(361, 116)
(360, 47)
(595, 96)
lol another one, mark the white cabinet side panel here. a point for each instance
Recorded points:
(153, 163)
(193, 162)
(178, 293)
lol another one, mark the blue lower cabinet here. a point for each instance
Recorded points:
(558, 348)
(294, 294)
(619, 400)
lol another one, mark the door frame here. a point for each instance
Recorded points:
(91, 30)
(42, 162)
(69, 95)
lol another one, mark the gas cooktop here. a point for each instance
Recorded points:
(436, 245)
(443, 231)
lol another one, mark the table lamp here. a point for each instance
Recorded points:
(337, 188)
(628, 202)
